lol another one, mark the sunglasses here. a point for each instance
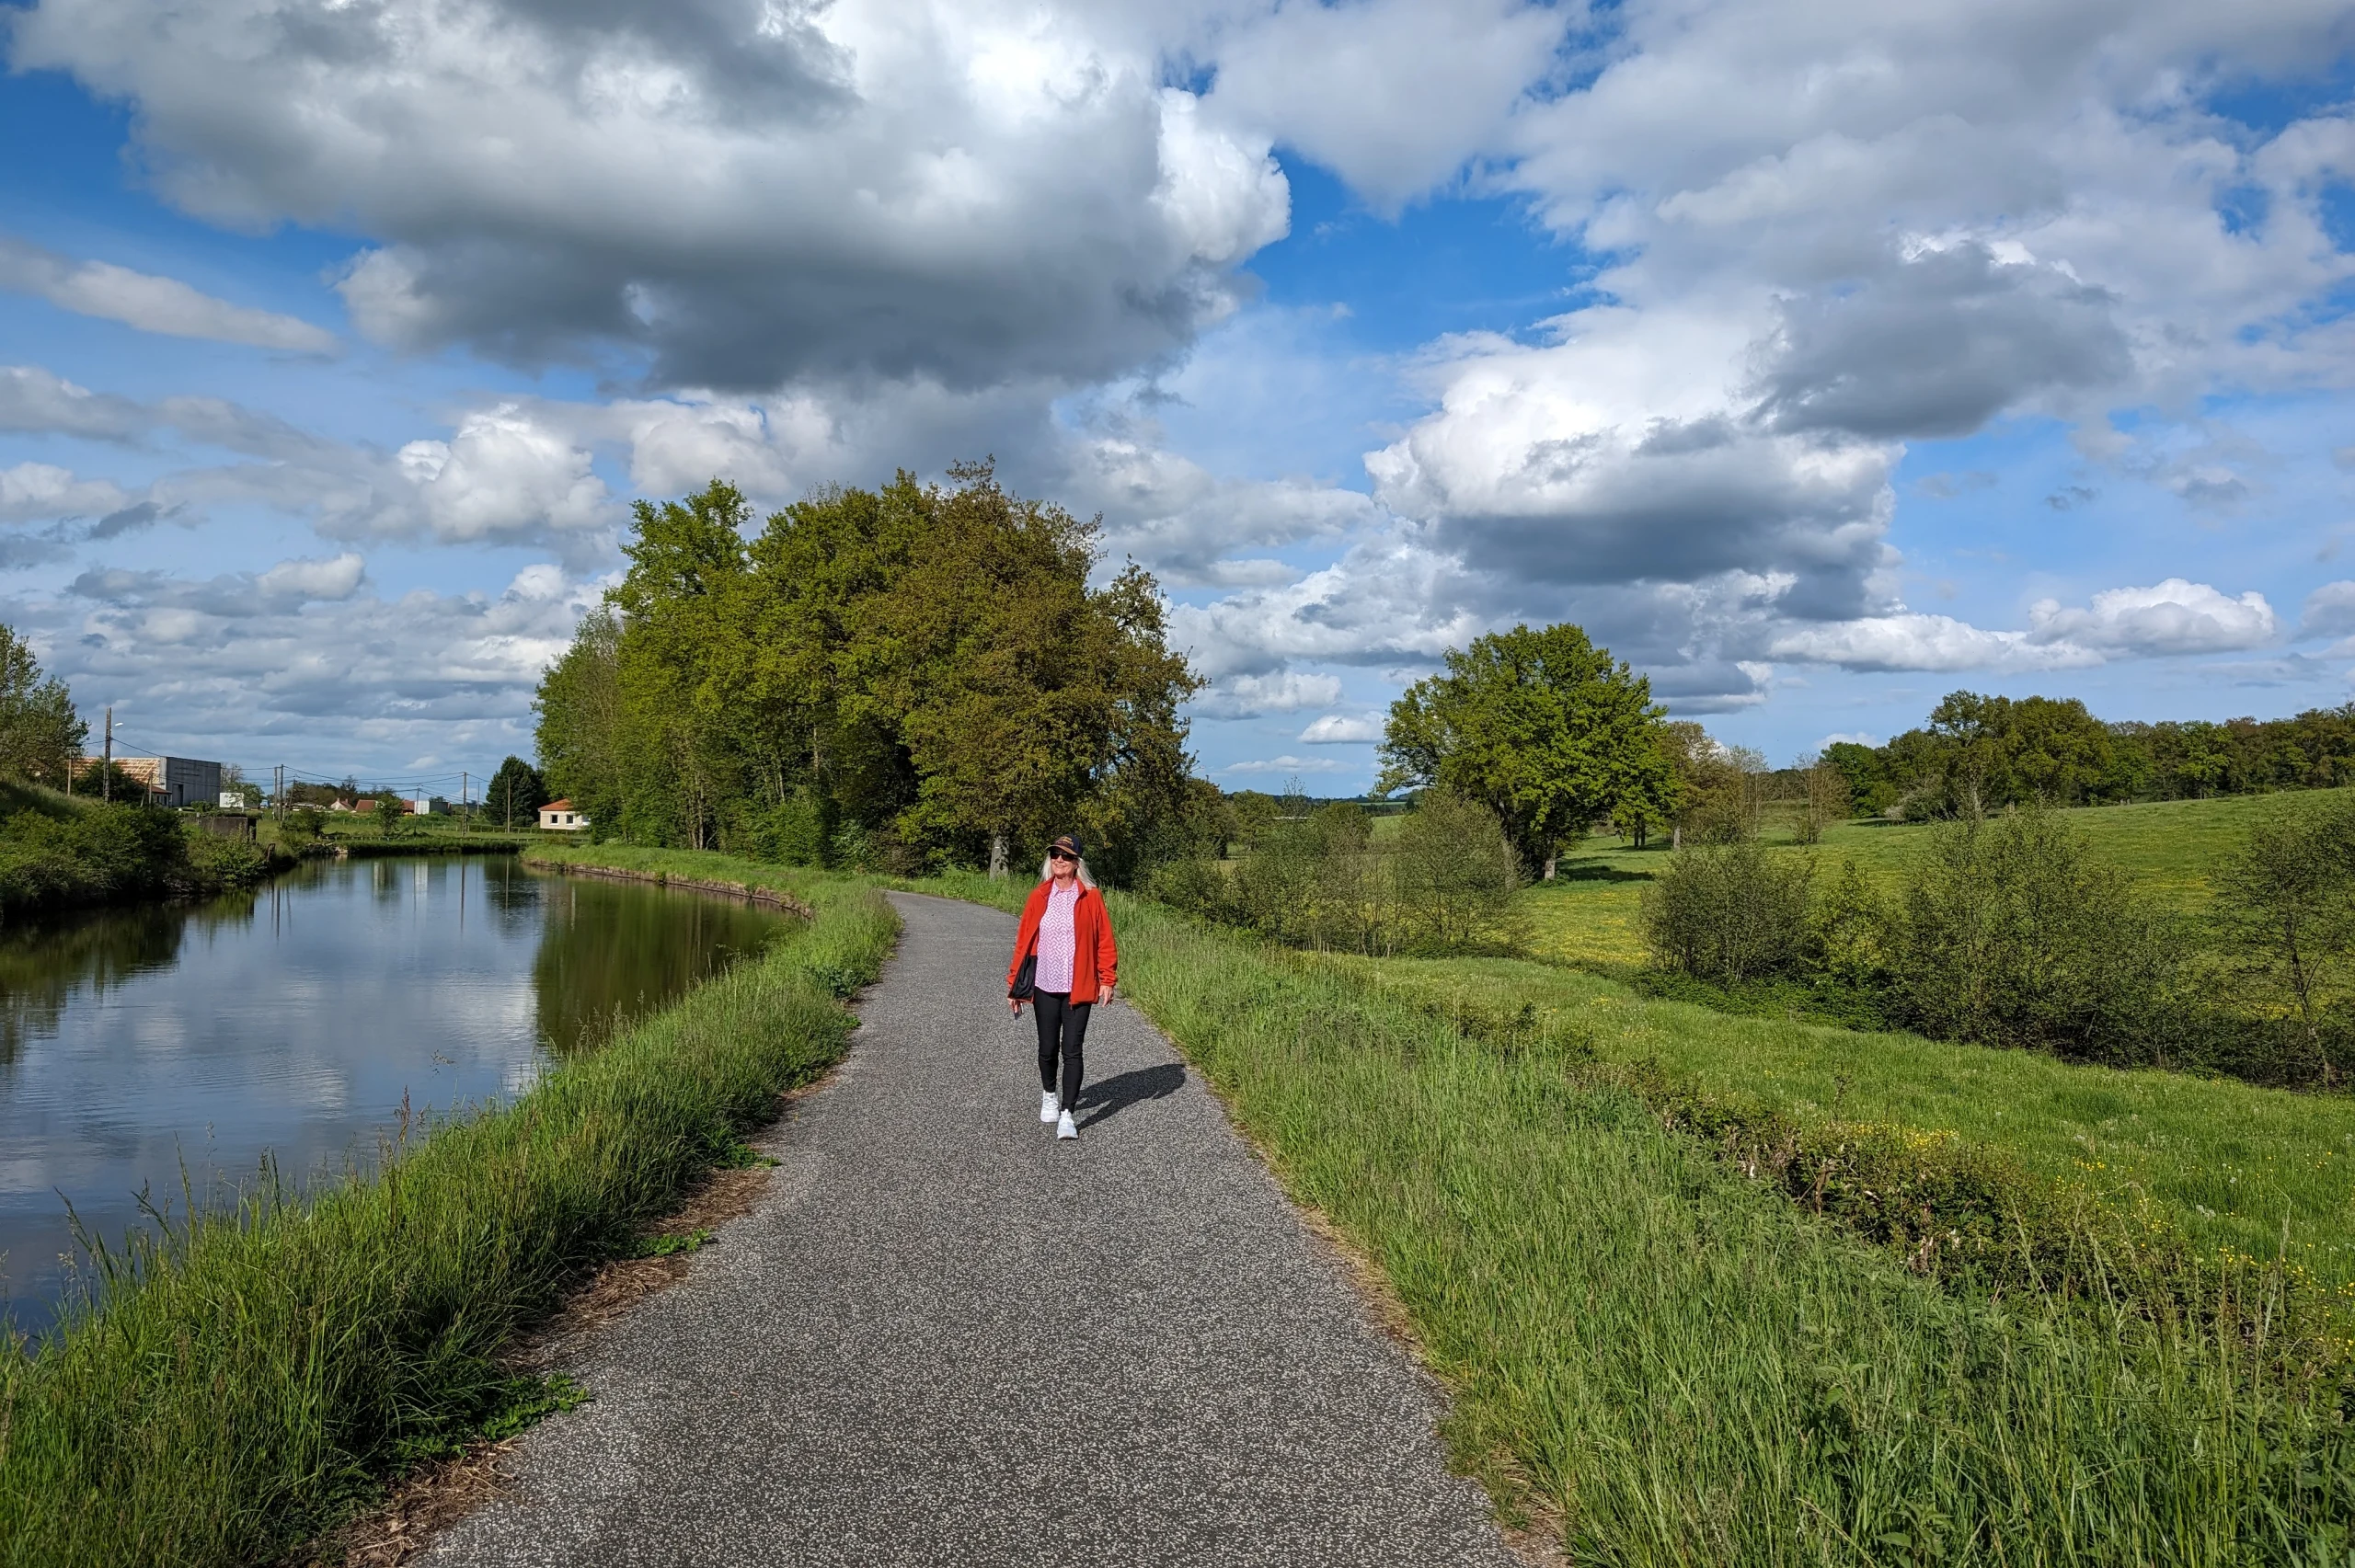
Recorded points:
(1060, 854)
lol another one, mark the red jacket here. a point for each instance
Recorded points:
(1094, 958)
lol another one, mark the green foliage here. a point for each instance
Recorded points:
(245, 1381)
(1443, 884)
(514, 795)
(1729, 912)
(904, 677)
(1543, 729)
(2011, 935)
(56, 854)
(2287, 896)
(40, 735)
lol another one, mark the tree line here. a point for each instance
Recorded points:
(1986, 753)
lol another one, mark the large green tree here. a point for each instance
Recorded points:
(925, 668)
(1542, 727)
(40, 734)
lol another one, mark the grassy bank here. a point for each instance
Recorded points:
(1674, 1363)
(253, 1380)
(58, 852)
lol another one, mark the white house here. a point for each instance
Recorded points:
(559, 815)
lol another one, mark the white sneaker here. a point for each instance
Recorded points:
(1064, 1127)
(1049, 1106)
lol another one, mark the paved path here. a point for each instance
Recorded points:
(942, 1337)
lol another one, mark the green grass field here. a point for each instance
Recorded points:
(1666, 1363)
(1588, 915)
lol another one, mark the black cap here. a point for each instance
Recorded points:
(1069, 842)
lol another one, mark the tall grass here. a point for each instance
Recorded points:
(242, 1382)
(1678, 1365)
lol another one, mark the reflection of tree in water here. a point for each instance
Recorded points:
(611, 953)
(44, 963)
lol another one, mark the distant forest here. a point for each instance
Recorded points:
(1997, 751)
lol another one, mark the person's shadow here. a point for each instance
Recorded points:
(1110, 1096)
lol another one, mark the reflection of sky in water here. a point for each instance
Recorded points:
(297, 1019)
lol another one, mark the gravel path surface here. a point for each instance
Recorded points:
(942, 1337)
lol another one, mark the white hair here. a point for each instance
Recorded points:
(1047, 871)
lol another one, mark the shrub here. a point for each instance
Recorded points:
(1454, 874)
(1729, 913)
(2010, 934)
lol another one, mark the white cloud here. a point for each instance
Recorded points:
(2171, 617)
(313, 581)
(976, 193)
(1393, 94)
(164, 305)
(2329, 611)
(505, 472)
(1248, 696)
(1340, 729)
(1908, 641)
(1286, 765)
(41, 492)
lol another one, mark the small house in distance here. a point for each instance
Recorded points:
(560, 816)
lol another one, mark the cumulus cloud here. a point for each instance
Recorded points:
(2171, 617)
(150, 304)
(42, 492)
(749, 193)
(1339, 729)
(1392, 95)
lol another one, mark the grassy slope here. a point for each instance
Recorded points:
(2230, 1162)
(1588, 914)
(1679, 1367)
(248, 1388)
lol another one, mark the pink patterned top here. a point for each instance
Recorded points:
(1056, 943)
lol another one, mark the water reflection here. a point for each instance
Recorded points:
(297, 1020)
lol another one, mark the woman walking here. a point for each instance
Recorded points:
(1067, 934)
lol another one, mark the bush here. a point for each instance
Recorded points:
(2011, 935)
(1454, 875)
(1729, 913)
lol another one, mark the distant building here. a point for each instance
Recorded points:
(172, 781)
(560, 816)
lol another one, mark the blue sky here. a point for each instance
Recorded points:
(1819, 360)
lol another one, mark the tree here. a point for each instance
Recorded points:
(2287, 897)
(516, 795)
(922, 670)
(1542, 727)
(40, 735)
(1824, 798)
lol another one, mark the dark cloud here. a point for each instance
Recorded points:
(1938, 346)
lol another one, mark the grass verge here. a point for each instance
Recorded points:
(250, 1380)
(1679, 1363)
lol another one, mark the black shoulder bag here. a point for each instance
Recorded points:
(1026, 980)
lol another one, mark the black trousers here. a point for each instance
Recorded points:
(1063, 1030)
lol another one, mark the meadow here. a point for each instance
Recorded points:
(1588, 915)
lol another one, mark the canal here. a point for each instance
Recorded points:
(296, 1021)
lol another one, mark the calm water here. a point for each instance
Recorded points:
(294, 1021)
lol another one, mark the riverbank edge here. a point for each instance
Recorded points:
(263, 1376)
(588, 863)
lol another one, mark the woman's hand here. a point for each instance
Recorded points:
(1016, 1003)
(1108, 997)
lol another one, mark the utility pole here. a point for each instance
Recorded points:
(465, 797)
(106, 773)
(277, 795)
